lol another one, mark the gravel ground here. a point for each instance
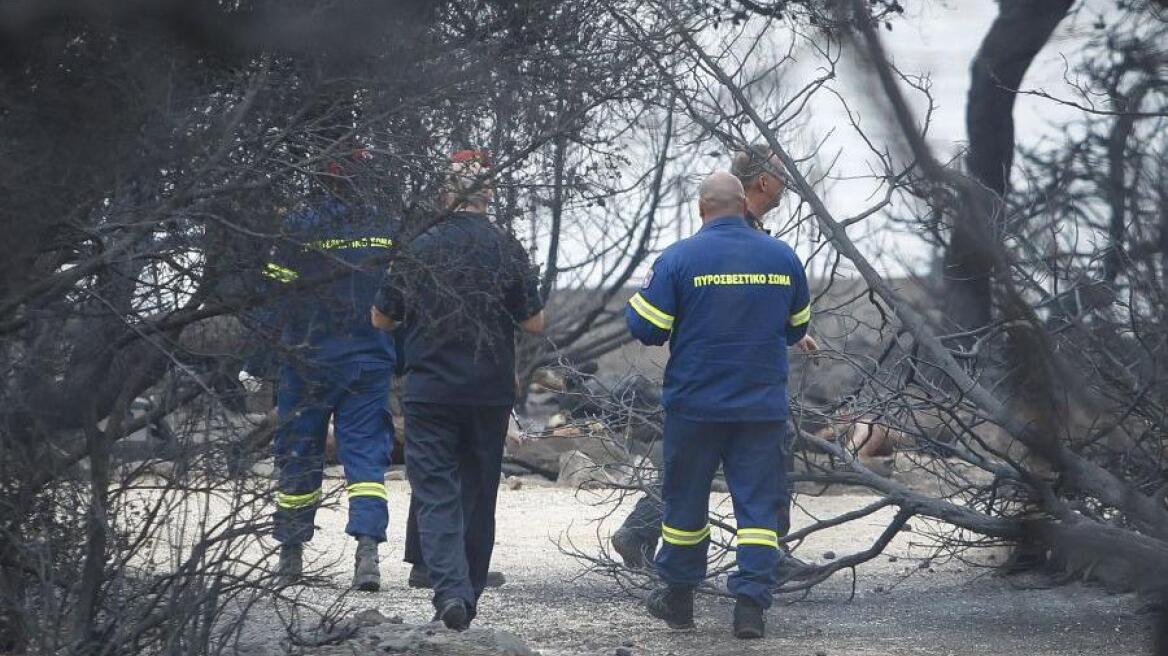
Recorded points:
(945, 607)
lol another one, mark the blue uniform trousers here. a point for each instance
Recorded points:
(355, 395)
(454, 455)
(750, 453)
(645, 519)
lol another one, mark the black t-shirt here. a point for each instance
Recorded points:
(459, 289)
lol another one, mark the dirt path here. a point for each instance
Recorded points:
(946, 608)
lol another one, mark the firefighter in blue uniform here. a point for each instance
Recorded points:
(329, 258)
(636, 541)
(729, 300)
(461, 289)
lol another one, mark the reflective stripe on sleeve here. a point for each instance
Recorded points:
(761, 537)
(363, 242)
(801, 317)
(278, 273)
(297, 501)
(684, 538)
(368, 490)
(650, 313)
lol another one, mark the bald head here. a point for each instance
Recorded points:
(721, 194)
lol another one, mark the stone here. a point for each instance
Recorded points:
(577, 469)
(829, 555)
(388, 637)
(513, 483)
(546, 378)
(623, 651)
(334, 471)
(264, 469)
(543, 455)
(395, 475)
(555, 421)
(372, 617)
(568, 431)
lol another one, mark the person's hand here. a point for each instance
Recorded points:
(380, 320)
(807, 344)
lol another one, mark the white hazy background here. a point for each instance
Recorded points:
(937, 40)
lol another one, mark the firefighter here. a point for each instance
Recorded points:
(329, 258)
(636, 540)
(460, 289)
(729, 300)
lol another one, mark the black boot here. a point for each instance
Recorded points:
(674, 605)
(454, 614)
(635, 551)
(291, 564)
(749, 620)
(366, 574)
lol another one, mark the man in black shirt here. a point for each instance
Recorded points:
(459, 289)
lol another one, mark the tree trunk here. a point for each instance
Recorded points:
(1017, 35)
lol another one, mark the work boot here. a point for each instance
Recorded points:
(635, 551)
(749, 620)
(454, 614)
(420, 578)
(790, 568)
(366, 575)
(291, 564)
(673, 604)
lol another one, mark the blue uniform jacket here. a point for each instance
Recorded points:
(335, 255)
(729, 300)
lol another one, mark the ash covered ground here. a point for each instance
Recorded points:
(907, 601)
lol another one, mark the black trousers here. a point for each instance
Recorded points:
(413, 553)
(454, 454)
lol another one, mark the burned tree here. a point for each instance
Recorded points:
(1056, 467)
(150, 151)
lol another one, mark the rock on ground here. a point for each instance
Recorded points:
(373, 633)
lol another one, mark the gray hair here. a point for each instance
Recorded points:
(753, 162)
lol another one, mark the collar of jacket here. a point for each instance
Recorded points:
(729, 220)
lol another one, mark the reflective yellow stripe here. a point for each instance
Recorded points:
(278, 273)
(761, 537)
(295, 501)
(684, 538)
(650, 313)
(364, 242)
(368, 490)
(801, 317)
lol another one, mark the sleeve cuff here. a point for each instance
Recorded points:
(650, 312)
(801, 317)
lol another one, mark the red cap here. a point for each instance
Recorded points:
(481, 156)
